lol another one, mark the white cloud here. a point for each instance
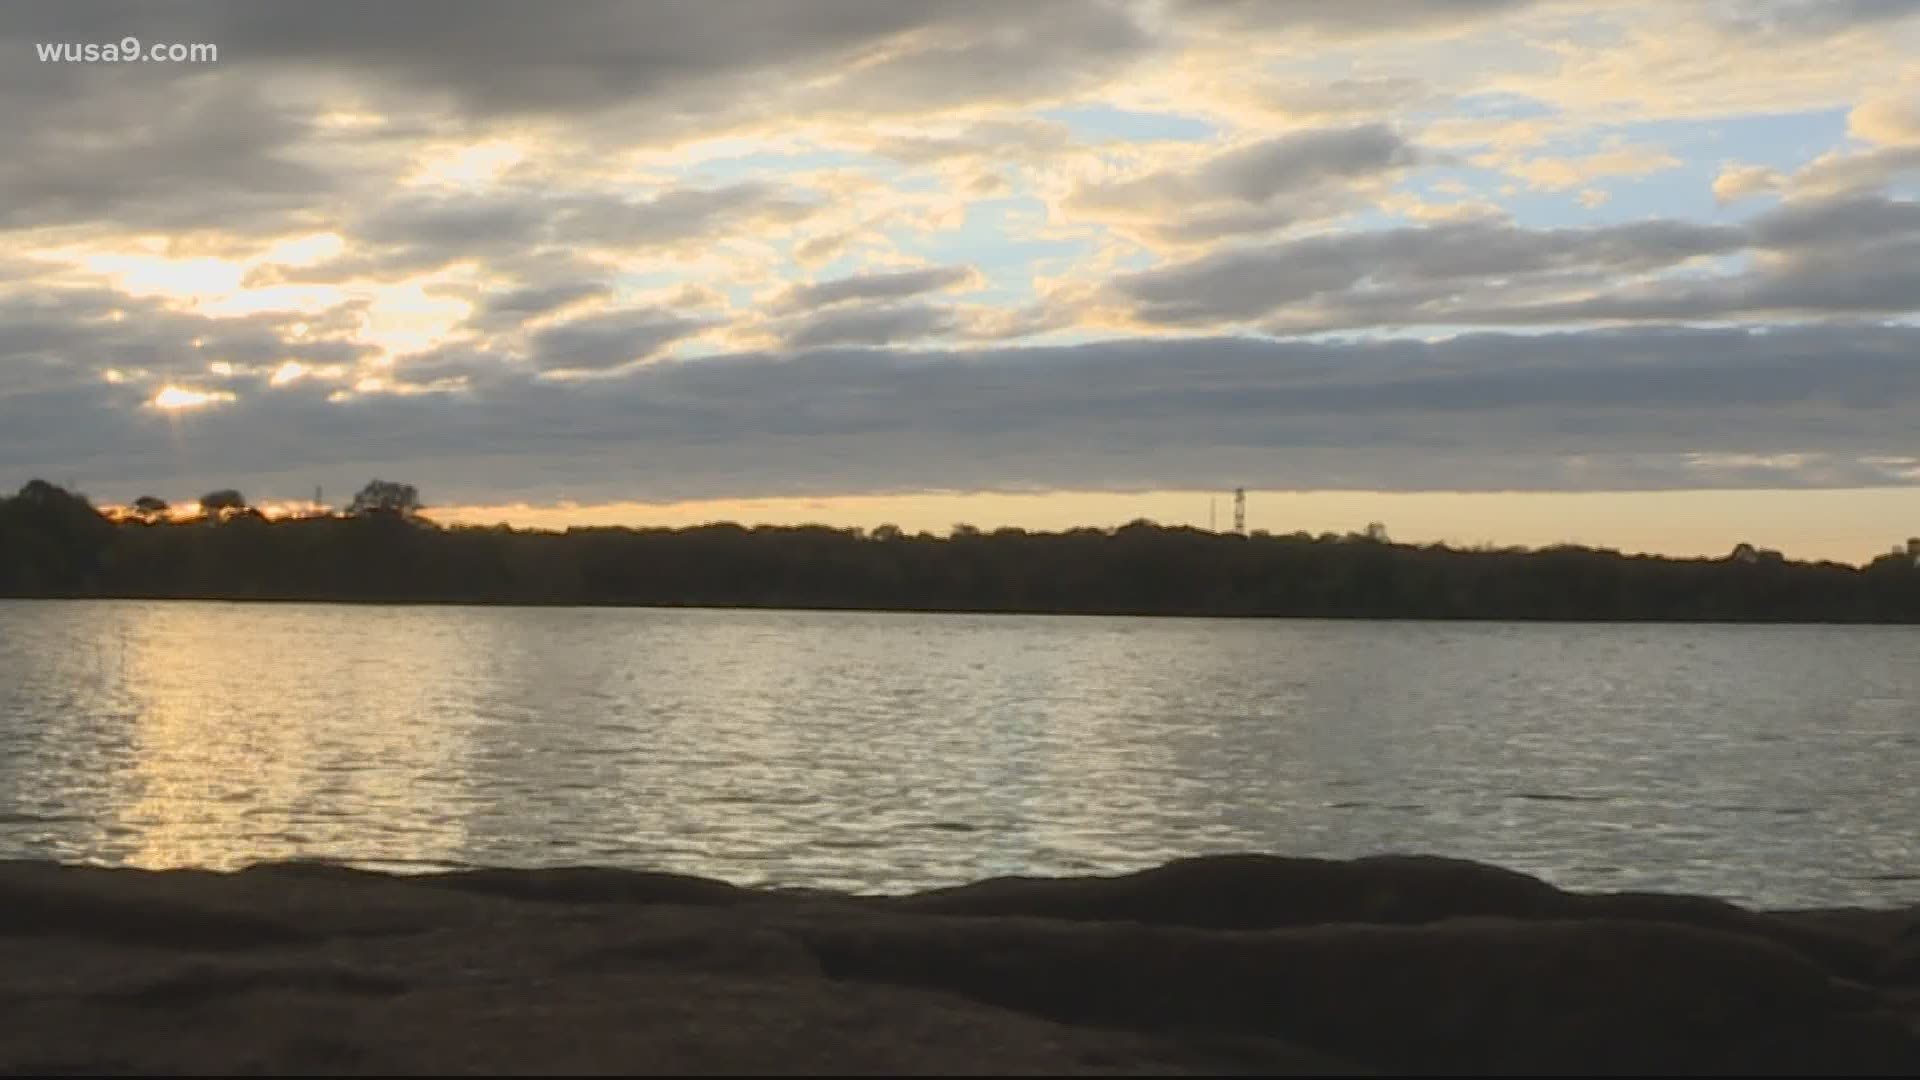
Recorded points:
(1737, 182)
(1561, 173)
(1892, 119)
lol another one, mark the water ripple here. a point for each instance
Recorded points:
(894, 752)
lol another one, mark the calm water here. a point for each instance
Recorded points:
(1776, 765)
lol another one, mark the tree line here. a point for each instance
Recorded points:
(55, 543)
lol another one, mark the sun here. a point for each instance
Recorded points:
(176, 399)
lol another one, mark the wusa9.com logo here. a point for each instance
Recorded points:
(128, 49)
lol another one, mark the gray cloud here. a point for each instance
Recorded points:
(1801, 18)
(1249, 283)
(1487, 411)
(1844, 223)
(541, 299)
(1346, 97)
(73, 335)
(885, 285)
(870, 326)
(506, 311)
(168, 152)
(423, 233)
(1845, 256)
(171, 146)
(455, 225)
(599, 342)
(998, 52)
(1856, 172)
(687, 60)
(1276, 167)
(1254, 188)
(1350, 18)
(536, 236)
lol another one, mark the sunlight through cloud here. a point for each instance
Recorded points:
(178, 399)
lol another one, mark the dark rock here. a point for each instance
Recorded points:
(1226, 964)
(1255, 892)
(1247, 892)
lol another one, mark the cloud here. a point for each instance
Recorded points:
(103, 148)
(451, 227)
(611, 340)
(1845, 256)
(999, 140)
(870, 326)
(1614, 409)
(1447, 259)
(1008, 51)
(682, 214)
(1622, 63)
(537, 238)
(507, 310)
(540, 300)
(1846, 224)
(1737, 182)
(1892, 120)
(1815, 18)
(1264, 171)
(1843, 172)
(1561, 173)
(1350, 19)
(888, 285)
(688, 62)
(311, 113)
(426, 232)
(69, 336)
(1346, 99)
(1256, 187)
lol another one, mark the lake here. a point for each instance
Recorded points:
(1774, 765)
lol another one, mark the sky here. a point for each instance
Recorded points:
(1636, 274)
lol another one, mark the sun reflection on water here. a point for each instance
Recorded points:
(236, 758)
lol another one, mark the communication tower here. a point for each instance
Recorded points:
(1240, 511)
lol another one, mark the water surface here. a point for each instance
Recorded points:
(1774, 765)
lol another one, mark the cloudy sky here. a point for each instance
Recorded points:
(1644, 274)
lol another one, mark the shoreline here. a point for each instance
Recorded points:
(1197, 616)
(1215, 964)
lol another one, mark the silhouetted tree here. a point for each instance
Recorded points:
(54, 543)
(218, 504)
(385, 497)
(150, 508)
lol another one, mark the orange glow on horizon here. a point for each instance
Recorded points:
(1843, 525)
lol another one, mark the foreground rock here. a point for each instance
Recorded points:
(1225, 964)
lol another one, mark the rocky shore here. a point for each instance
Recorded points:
(1221, 964)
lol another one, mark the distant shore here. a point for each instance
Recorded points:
(61, 546)
(1216, 964)
(830, 609)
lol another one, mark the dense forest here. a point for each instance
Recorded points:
(54, 543)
